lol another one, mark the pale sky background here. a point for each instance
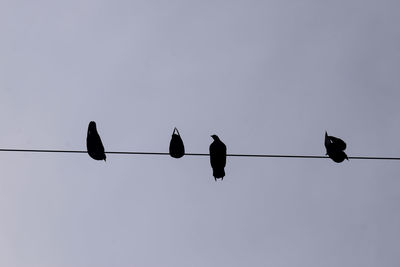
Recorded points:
(266, 76)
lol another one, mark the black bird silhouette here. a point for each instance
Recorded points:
(94, 145)
(176, 147)
(218, 157)
(335, 148)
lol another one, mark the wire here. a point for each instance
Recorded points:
(187, 154)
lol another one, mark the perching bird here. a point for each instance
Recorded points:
(176, 147)
(335, 148)
(218, 157)
(94, 145)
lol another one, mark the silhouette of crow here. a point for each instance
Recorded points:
(218, 157)
(176, 147)
(94, 145)
(335, 148)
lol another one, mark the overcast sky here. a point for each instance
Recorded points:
(265, 76)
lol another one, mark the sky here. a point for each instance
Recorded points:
(267, 77)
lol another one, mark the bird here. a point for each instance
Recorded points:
(94, 145)
(335, 148)
(176, 147)
(218, 157)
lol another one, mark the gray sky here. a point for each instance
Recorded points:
(266, 76)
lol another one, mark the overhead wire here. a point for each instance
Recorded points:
(191, 154)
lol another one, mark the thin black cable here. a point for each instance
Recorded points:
(187, 154)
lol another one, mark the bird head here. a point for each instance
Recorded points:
(92, 124)
(215, 137)
(92, 127)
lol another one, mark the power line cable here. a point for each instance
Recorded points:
(190, 154)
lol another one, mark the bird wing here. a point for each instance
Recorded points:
(218, 154)
(339, 143)
(213, 155)
(94, 142)
(327, 141)
(223, 154)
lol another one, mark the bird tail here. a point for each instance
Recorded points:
(327, 142)
(218, 173)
